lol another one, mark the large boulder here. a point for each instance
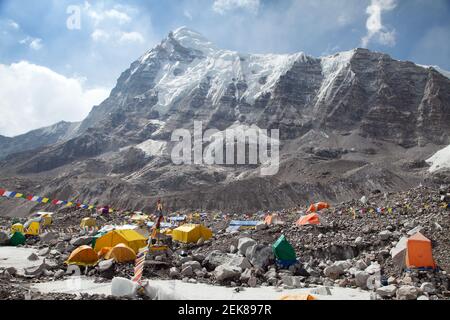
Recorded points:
(195, 265)
(385, 235)
(260, 256)
(227, 272)
(407, 293)
(244, 244)
(49, 237)
(361, 278)
(216, 258)
(387, 291)
(334, 271)
(240, 262)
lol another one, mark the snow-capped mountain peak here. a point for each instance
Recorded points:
(191, 39)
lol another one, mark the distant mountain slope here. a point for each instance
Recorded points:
(37, 138)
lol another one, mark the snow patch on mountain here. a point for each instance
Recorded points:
(153, 148)
(221, 68)
(332, 66)
(445, 73)
(440, 160)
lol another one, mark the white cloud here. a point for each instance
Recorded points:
(14, 25)
(100, 35)
(36, 44)
(375, 28)
(33, 96)
(33, 43)
(121, 17)
(130, 37)
(225, 6)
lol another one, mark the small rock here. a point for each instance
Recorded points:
(195, 265)
(105, 265)
(323, 291)
(59, 274)
(174, 272)
(44, 251)
(385, 235)
(423, 298)
(361, 278)
(427, 287)
(33, 257)
(187, 271)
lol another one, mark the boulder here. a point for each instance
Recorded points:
(244, 244)
(333, 271)
(261, 226)
(252, 282)
(361, 278)
(246, 275)
(105, 265)
(227, 272)
(33, 257)
(49, 237)
(11, 270)
(59, 274)
(216, 258)
(240, 262)
(44, 251)
(187, 271)
(195, 265)
(174, 272)
(427, 287)
(385, 235)
(260, 256)
(81, 241)
(360, 265)
(407, 293)
(387, 291)
(374, 268)
(423, 298)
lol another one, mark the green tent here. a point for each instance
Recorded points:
(98, 235)
(17, 239)
(283, 250)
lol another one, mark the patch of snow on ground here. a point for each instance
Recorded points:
(440, 160)
(153, 148)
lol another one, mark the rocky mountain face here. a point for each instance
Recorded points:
(37, 138)
(350, 124)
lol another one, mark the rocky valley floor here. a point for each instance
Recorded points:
(351, 249)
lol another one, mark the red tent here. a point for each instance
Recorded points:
(312, 218)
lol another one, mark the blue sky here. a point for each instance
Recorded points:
(37, 46)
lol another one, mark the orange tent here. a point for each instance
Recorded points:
(312, 218)
(121, 253)
(83, 256)
(103, 252)
(419, 253)
(268, 220)
(316, 207)
(297, 297)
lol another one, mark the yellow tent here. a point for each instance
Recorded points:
(121, 253)
(129, 237)
(33, 229)
(88, 222)
(83, 256)
(189, 233)
(18, 227)
(46, 218)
